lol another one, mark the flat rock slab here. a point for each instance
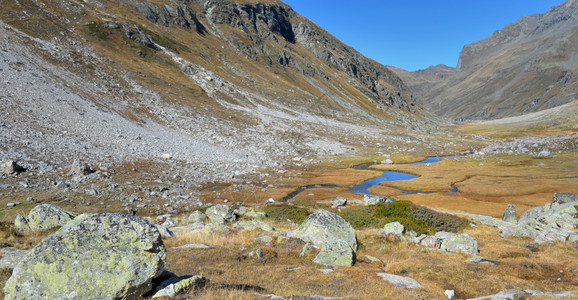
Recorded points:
(11, 257)
(400, 281)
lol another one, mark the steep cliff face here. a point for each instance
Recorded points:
(527, 66)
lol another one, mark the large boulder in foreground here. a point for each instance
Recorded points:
(45, 216)
(335, 253)
(95, 256)
(322, 226)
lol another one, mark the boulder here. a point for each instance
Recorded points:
(395, 228)
(335, 253)
(400, 281)
(95, 256)
(221, 213)
(180, 285)
(430, 241)
(255, 214)
(45, 216)
(215, 227)
(458, 243)
(322, 226)
(164, 232)
(554, 221)
(374, 199)
(21, 223)
(197, 217)
(510, 215)
(338, 201)
(80, 168)
(8, 167)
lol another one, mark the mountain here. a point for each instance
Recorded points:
(233, 85)
(527, 66)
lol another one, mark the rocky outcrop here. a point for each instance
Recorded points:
(555, 221)
(510, 215)
(179, 16)
(322, 227)
(335, 253)
(100, 256)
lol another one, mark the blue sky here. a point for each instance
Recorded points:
(415, 34)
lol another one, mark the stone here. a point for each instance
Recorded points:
(21, 223)
(9, 167)
(338, 201)
(481, 260)
(117, 254)
(374, 199)
(400, 281)
(45, 216)
(165, 232)
(335, 253)
(193, 246)
(215, 227)
(306, 249)
(458, 243)
(80, 168)
(387, 161)
(510, 215)
(542, 154)
(551, 222)
(252, 225)
(323, 226)
(166, 156)
(450, 294)
(13, 204)
(11, 257)
(264, 239)
(395, 228)
(197, 217)
(180, 285)
(373, 259)
(221, 213)
(255, 214)
(430, 241)
(523, 294)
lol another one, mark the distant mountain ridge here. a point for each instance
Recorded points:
(529, 65)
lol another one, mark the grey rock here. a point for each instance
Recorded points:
(322, 226)
(118, 255)
(215, 227)
(395, 228)
(510, 215)
(542, 154)
(335, 253)
(338, 201)
(374, 199)
(552, 222)
(255, 214)
(481, 260)
(522, 294)
(180, 285)
(431, 241)
(164, 232)
(45, 216)
(80, 168)
(264, 239)
(563, 198)
(400, 281)
(306, 249)
(373, 259)
(11, 257)
(8, 167)
(193, 246)
(221, 213)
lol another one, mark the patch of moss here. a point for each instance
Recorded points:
(286, 212)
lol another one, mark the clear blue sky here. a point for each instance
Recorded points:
(415, 34)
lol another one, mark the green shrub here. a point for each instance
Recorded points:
(286, 212)
(439, 221)
(400, 208)
(360, 217)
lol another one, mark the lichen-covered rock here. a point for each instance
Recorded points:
(215, 227)
(46, 216)
(221, 213)
(510, 215)
(322, 226)
(394, 228)
(458, 243)
(98, 256)
(252, 225)
(21, 223)
(180, 285)
(197, 217)
(374, 199)
(335, 253)
(255, 214)
(563, 198)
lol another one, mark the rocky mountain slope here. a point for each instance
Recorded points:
(222, 86)
(527, 66)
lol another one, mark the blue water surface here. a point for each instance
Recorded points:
(387, 176)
